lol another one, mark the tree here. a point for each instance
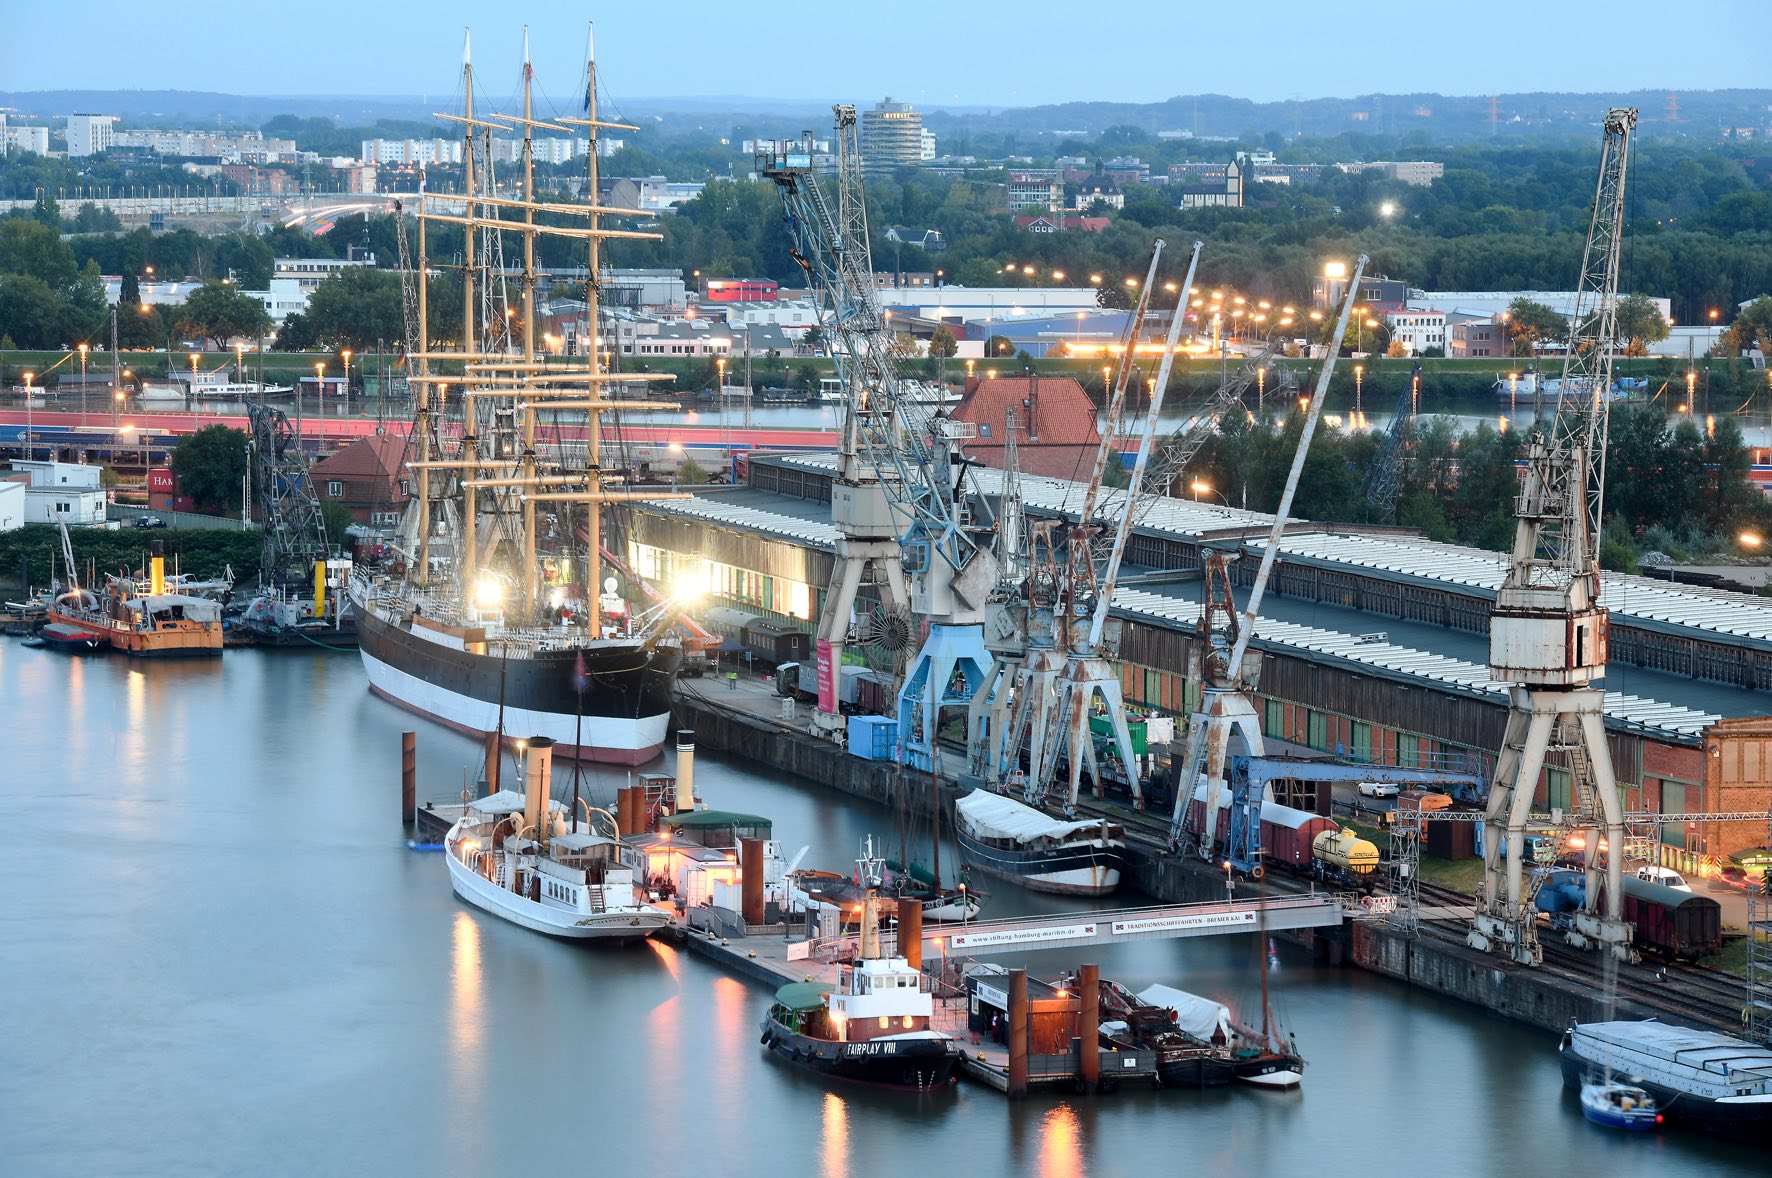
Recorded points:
(813, 340)
(210, 464)
(997, 347)
(1528, 323)
(1640, 323)
(690, 473)
(220, 311)
(942, 343)
(1752, 328)
(354, 307)
(336, 518)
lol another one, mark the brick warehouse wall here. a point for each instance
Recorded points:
(1738, 776)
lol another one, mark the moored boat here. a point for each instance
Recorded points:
(1703, 1080)
(872, 1025)
(73, 639)
(1004, 838)
(1618, 1106)
(512, 854)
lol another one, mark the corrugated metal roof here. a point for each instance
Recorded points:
(1384, 658)
(1656, 605)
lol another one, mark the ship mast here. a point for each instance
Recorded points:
(594, 318)
(519, 373)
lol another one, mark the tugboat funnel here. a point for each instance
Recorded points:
(685, 770)
(157, 570)
(538, 772)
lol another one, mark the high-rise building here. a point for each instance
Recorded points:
(89, 134)
(891, 137)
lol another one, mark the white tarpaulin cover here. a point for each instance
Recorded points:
(505, 801)
(1199, 1017)
(995, 816)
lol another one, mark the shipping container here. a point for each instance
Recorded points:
(873, 738)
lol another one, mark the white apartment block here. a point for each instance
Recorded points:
(25, 138)
(89, 134)
(1417, 330)
(307, 273)
(411, 151)
(247, 146)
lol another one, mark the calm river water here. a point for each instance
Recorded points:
(218, 956)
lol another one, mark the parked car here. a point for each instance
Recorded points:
(1667, 877)
(149, 521)
(1379, 789)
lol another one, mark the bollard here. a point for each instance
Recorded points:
(1018, 1033)
(408, 779)
(1089, 1031)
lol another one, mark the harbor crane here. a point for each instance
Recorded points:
(1384, 478)
(1221, 639)
(900, 500)
(1547, 631)
(1095, 548)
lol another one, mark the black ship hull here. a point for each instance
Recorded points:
(1748, 1119)
(915, 1062)
(1192, 1070)
(1076, 869)
(621, 716)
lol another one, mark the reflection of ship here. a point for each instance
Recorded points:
(477, 617)
(1002, 837)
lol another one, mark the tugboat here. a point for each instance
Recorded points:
(512, 855)
(873, 1025)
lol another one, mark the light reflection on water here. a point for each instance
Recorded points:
(220, 957)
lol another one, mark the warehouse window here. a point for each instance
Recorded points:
(1317, 730)
(1408, 749)
(1361, 740)
(1273, 719)
(1557, 788)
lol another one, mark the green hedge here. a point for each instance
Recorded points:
(200, 552)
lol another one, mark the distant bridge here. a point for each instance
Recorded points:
(1160, 922)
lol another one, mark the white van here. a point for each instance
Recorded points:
(1667, 877)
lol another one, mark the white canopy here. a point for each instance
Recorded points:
(505, 801)
(581, 841)
(1199, 1017)
(995, 816)
(197, 609)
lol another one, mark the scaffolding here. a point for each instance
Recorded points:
(1759, 962)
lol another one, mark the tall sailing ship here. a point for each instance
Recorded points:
(491, 616)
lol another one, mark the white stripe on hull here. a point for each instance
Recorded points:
(482, 893)
(1078, 881)
(606, 738)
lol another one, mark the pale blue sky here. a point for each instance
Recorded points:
(957, 52)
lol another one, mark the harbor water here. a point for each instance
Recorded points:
(219, 956)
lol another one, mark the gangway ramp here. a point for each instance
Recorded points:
(1160, 922)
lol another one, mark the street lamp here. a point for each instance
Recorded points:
(320, 391)
(83, 350)
(116, 410)
(346, 357)
(1750, 539)
(240, 362)
(193, 375)
(30, 433)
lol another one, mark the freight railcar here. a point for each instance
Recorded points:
(774, 643)
(1669, 922)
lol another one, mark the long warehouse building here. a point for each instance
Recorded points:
(1374, 640)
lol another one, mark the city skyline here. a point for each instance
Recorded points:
(1032, 54)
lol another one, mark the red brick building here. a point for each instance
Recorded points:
(1055, 433)
(370, 477)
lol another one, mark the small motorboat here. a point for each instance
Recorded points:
(60, 636)
(1618, 1105)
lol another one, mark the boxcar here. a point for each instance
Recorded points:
(1671, 922)
(1286, 834)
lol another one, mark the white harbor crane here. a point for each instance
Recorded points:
(1547, 631)
(900, 499)
(1088, 675)
(1222, 639)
